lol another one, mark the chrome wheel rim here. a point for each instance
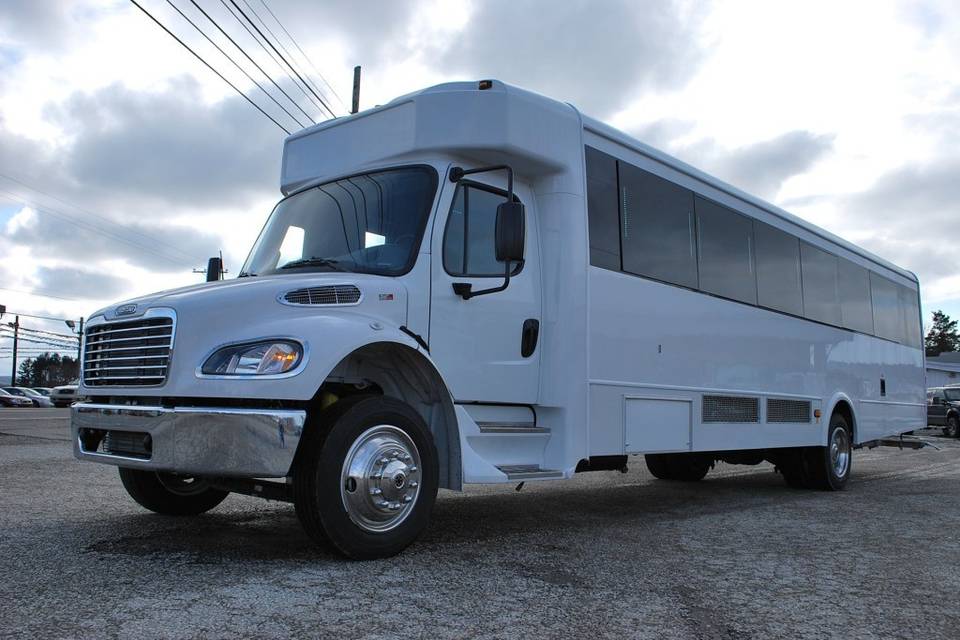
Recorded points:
(380, 478)
(840, 451)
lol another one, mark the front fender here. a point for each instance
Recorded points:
(327, 339)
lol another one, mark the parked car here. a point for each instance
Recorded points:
(36, 399)
(10, 400)
(44, 391)
(943, 410)
(64, 395)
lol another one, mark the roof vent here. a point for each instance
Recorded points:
(326, 295)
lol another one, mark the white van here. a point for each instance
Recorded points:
(477, 284)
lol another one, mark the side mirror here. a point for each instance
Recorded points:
(214, 269)
(510, 232)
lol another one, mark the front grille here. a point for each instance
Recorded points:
(128, 353)
(329, 294)
(781, 410)
(730, 409)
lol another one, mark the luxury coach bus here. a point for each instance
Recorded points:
(477, 284)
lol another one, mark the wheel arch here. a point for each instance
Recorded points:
(842, 404)
(405, 373)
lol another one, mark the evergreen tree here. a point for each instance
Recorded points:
(47, 370)
(943, 336)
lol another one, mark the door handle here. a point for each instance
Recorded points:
(528, 337)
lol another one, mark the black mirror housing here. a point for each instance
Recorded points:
(214, 269)
(510, 232)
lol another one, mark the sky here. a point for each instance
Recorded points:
(125, 163)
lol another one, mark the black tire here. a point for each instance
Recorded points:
(322, 488)
(170, 494)
(684, 467)
(821, 463)
(790, 464)
(952, 430)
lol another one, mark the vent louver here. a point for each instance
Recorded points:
(730, 409)
(781, 410)
(326, 295)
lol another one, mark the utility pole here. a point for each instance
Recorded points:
(356, 90)
(16, 331)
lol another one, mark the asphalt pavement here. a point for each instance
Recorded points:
(739, 555)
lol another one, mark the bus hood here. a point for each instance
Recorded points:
(330, 314)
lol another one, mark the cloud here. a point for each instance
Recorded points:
(596, 55)
(763, 167)
(82, 283)
(169, 147)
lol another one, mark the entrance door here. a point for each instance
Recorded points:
(478, 343)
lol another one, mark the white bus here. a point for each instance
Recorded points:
(477, 284)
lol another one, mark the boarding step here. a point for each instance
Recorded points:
(528, 472)
(511, 427)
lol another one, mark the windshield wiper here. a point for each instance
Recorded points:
(315, 262)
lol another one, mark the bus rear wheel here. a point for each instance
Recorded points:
(685, 467)
(828, 468)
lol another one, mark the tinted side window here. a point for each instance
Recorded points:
(887, 318)
(910, 309)
(819, 270)
(725, 242)
(854, 287)
(778, 269)
(656, 227)
(468, 243)
(603, 211)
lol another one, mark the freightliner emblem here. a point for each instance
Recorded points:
(126, 309)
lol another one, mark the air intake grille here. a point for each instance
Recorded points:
(730, 409)
(780, 410)
(128, 353)
(332, 294)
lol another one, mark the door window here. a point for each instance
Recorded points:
(469, 241)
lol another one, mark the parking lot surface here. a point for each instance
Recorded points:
(738, 555)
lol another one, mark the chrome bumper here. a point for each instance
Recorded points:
(255, 443)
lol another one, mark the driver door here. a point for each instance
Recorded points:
(483, 345)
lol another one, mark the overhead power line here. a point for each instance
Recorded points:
(88, 226)
(267, 40)
(253, 36)
(237, 65)
(41, 294)
(107, 221)
(209, 66)
(295, 44)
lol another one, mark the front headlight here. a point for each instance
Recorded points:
(254, 359)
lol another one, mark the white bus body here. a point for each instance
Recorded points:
(656, 310)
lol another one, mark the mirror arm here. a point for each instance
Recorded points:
(458, 173)
(465, 289)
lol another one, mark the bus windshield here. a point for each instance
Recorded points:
(368, 223)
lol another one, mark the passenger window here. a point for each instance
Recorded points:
(887, 318)
(910, 309)
(603, 211)
(725, 241)
(854, 286)
(778, 269)
(820, 296)
(656, 227)
(468, 245)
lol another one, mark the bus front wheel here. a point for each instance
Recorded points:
(824, 468)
